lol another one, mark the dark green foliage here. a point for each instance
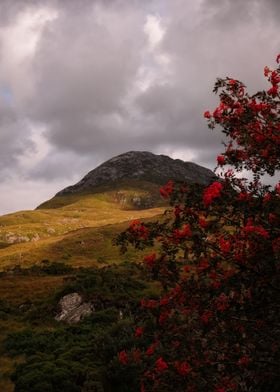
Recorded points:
(49, 376)
(80, 357)
(72, 358)
(45, 267)
(5, 309)
(118, 284)
(55, 268)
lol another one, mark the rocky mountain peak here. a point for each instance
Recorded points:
(141, 165)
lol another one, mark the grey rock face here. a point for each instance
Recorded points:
(137, 201)
(15, 238)
(142, 165)
(73, 309)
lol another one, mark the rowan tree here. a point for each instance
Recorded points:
(216, 324)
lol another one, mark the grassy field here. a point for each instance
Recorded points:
(75, 231)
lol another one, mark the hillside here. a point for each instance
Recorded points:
(78, 233)
(65, 246)
(125, 187)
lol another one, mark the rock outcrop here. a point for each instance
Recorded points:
(141, 165)
(72, 309)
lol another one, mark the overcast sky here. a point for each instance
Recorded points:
(84, 80)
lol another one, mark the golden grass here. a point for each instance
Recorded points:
(75, 229)
(19, 289)
(7, 366)
(50, 231)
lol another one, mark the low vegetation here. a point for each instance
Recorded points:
(40, 354)
(46, 253)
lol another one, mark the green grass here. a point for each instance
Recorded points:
(110, 193)
(74, 228)
(81, 247)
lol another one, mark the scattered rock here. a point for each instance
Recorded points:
(50, 230)
(35, 238)
(24, 307)
(13, 238)
(137, 201)
(73, 309)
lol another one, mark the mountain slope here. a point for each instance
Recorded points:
(124, 188)
(62, 234)
(141, 165)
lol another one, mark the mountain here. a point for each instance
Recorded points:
(143, 166)
(65, 227)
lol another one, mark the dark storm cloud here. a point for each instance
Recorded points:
(96, 82)
(61, 166)
(12, 145)
(217, 38)
(82, 77)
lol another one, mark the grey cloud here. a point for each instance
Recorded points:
(63, 166)
(12, 146)
(82, 77)
(229, 13)
(84, 71)
(9, 9)
(204, 43)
